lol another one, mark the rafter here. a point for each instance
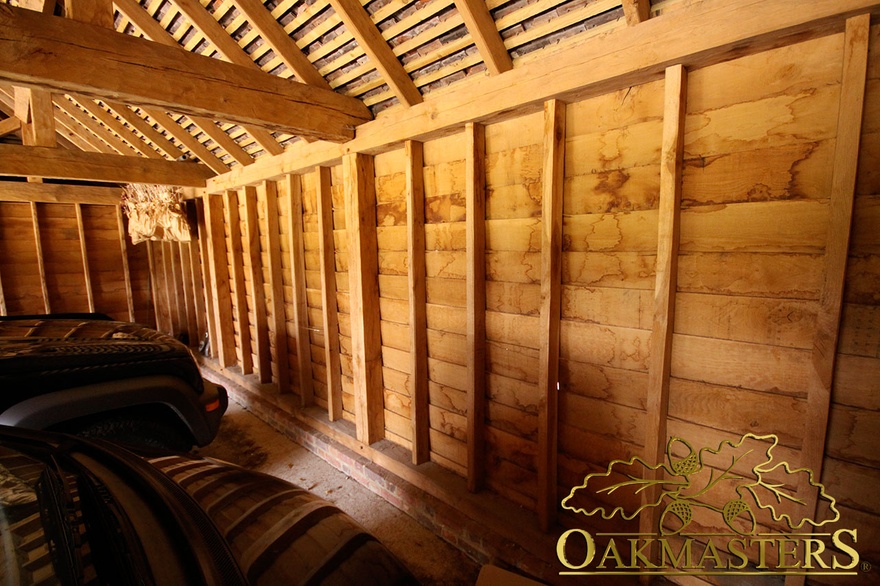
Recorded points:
(155, 32)
(146, 129)
(44, 6)
(73, 132)
(86, 121)
(485, 34)
(364, 30)
(185, 138)
(229, 49)
(9, 125)
(636, 11)
(55, 163)
(102, 63)
(97, 12)
(110, 121)
(281, 43)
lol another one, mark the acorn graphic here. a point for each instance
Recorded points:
(686, 466)
(677, 515)
(739, 509)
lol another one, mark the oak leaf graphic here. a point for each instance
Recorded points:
(744, 475)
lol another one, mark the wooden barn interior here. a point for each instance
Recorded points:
(470, 250)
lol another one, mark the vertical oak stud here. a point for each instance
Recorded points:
(475, 187)
(258, 291)
(276, 285)
(208, 288)
(233, 223)
(225, 340)
(84, 252)
(843, 186)
(418, 320)
(126, 271)
(363, 274)
(330, 317)
(671, 156)
(41, 264)
(551, 294)
(298, 282)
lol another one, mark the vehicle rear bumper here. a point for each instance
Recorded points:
(214, 400)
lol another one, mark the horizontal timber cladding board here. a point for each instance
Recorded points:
(772, 122)
(774, 369)
(742, 410)
(633, 270)
(634, 231)
(617, 190)
(796, 276)
(865, 238)
(787, 226)
(789, 70)
(860, 330)
(852, 435)
(604, 345)
(759, 320)
(446, 236)
(797, 171)
(631, 308)
(443, 291)
(611, 419)
(868, 179)
(606, 383)
(448, 451)
(637, 145)
(852, 486)
(586, 446)
(863, 280)
(508, 328)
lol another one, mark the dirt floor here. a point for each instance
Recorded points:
(249, 442)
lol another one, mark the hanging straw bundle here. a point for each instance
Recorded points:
(155, 212)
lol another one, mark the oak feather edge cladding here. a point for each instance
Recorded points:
(645, 258)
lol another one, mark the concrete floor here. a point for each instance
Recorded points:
(249, 442)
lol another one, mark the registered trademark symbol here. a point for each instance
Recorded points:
(866, 566)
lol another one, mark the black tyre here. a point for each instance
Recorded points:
(137, 431)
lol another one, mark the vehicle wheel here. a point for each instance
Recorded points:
(138, 431)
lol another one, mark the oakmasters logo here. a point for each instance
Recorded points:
(734, 509)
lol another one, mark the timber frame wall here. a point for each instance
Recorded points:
(518, 295)
(67, 250)
(517, 282)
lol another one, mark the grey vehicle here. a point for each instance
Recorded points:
(92, 376)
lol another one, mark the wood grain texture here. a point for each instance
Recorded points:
(234, 255)
(299, 301)
(360, 200)
(41, 263)
(481, 26)
(849, 124)
(551, 294)
(57, 163)
(329, 317)
(125, 64)
(475, 273)
(224, 341)
(669, 222)
(81, 230)
(278, 326)
(417, 314)
(257, 290)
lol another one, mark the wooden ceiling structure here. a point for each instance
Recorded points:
(226, 83)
